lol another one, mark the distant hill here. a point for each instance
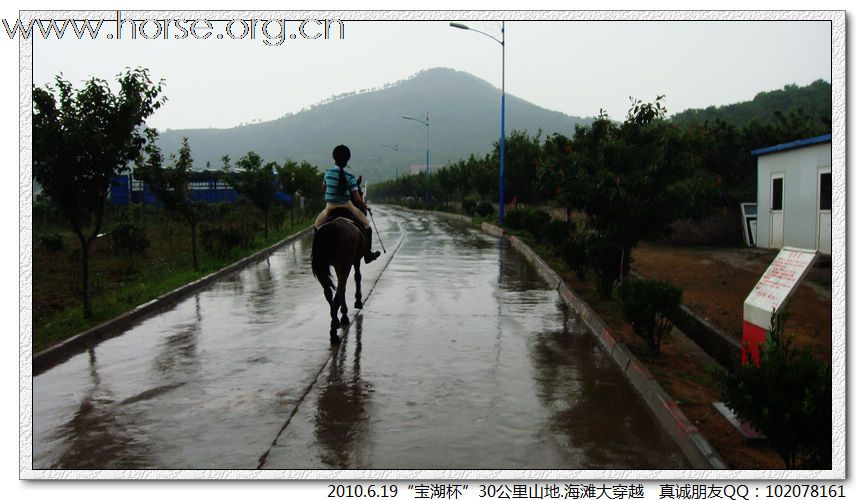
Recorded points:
(814, 100)
(464, 119)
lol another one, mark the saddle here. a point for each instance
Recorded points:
(344, 213)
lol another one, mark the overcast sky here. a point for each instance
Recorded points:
(577, 67)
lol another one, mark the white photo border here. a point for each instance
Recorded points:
(839, 249)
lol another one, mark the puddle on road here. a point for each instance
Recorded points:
(462, 358)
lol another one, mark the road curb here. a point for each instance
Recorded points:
(47, 358)
(691, 442)
(493, 230)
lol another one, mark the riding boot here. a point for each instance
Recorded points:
(370, 255)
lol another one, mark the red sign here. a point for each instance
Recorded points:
(770, 295)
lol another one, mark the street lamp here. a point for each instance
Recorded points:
(502, 151)
(425, 123)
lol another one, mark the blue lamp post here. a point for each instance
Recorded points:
(425, 123)
(502, 141)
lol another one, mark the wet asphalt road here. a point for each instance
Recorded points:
(463, 358)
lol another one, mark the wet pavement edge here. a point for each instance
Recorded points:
(693, 444)
(56, 354)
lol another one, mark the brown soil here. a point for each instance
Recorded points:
(715, 283)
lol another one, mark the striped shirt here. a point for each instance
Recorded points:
(331, 181)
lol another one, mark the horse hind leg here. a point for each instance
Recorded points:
(358, 303)
(340, 297)
(334, 321)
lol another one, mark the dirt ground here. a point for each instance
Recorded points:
(715, 283)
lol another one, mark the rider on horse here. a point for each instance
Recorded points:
(340, 190)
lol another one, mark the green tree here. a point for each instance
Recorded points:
(309, 181)
(287, 175)
(463, 180)
(484, 175)
(558, 153)
(788, 398)
(648, 306)
(171, 184)
(253, 179)
(446, 178)
(635, 179)
(82, 139)
(522, 153)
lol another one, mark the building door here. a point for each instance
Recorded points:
(824, 210)
(776, 212)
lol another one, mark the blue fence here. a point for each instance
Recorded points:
(203, 187)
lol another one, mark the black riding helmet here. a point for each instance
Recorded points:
(341, 155)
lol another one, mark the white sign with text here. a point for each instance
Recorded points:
(777, 285)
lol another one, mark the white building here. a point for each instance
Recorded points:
(418, 168)
(794, 194)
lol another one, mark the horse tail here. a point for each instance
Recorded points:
(322, 253)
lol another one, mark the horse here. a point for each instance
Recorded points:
(341, 244)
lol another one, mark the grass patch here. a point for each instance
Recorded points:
(120, 285)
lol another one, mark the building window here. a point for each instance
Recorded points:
(826, 191)
(778, 193)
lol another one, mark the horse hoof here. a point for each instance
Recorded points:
(344, 321)
(334, 339)
(358, 305)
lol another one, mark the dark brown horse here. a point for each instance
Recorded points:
(341, 244)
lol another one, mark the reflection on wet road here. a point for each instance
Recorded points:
(462, 358)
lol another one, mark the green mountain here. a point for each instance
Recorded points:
(464, 116)
(814, 100)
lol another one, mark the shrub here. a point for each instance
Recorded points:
(515, 218)
(129, 236)
(485, 209)
(574, 251)
(536, 222)
(220, 242)
(469, 207)
(647, 306)
(788, 398)
(605, 259)
(556, 232)
(532, 220)
(51, 242)
(45, 212)
(277, 216)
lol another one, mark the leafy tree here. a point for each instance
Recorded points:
(788, 398)
(171, 184)
(814, 100)
(635, 179)
(727, 150)
(522, 153)
(447, 181)
(463, 180)
(648, 306)
(129, 236)
(558, 153)
(82, 139)
(484, 175)
(253, 179)
(287, 175)
(309, 181)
